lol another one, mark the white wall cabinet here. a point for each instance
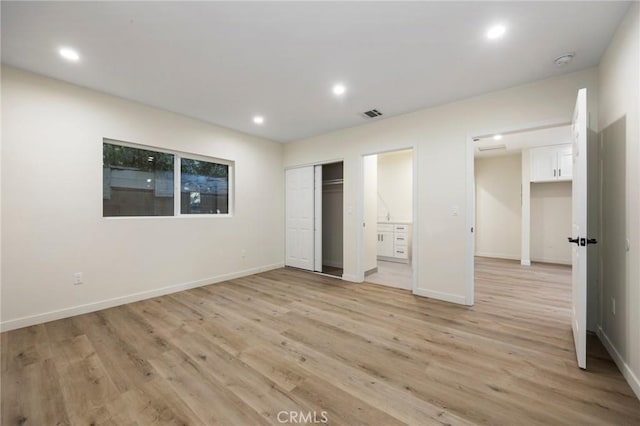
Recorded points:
(552, 163)
(394, 242)
(565, 163)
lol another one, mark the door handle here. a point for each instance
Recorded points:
(582, 241)
(586, 241)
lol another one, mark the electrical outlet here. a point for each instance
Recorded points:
(613, 306)
(77, 278)
(243, 253)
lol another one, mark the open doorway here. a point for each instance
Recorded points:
(388, 218)
(558, 221)
(523, 216)
(523, 195)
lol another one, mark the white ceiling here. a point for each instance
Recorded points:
(516, 142)
(226, 62)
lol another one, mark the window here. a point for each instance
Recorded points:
(204, 187)
(136, 182)
(142, 182)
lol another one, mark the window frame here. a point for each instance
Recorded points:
(177, 162)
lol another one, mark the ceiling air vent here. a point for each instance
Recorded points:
(371, 113)
(492, 148)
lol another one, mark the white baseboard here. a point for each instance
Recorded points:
(552, 260)
(439, 295)
(394, 259)
(370, 271)
(525, 262)
(135, 297)
(624, 368)
(498, 255)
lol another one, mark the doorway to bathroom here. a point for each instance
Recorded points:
(388, 218)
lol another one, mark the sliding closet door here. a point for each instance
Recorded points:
(318, 219)
(299, 250)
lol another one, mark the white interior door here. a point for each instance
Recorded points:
(299, 213)
(579, 239)
(318, 219)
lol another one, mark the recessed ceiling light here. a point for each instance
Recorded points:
(69, 54)
(258, 119)
(497, 137)
(496, 31)
(339, 89)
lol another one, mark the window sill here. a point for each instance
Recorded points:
(182, 216)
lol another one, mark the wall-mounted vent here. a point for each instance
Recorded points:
(371, 113)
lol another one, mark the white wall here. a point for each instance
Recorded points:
(370, 231)
(52, 200)
(395, 186)
(619, 81)
(551, 222)
(498, 206)
(440, 134)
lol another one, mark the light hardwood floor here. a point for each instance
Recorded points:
(240, 352)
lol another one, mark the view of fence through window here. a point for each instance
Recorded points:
(136, 182)
(204, 187)
(140, 182)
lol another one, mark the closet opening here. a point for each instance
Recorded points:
(388, 208)
(329, 211)
(314, 209)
